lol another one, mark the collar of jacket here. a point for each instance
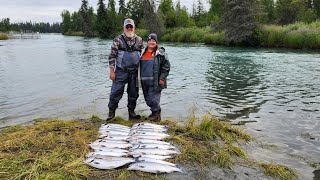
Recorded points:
(160, 51)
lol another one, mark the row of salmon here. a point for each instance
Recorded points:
(142, 147)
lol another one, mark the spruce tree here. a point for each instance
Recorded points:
(316, 4)
(136, 11)
(166, 7)
(268, 8)
(113, 21)
(152, 21)
(239, 21)
(85, 19)
(102, 24)
(66, 21)
(122, 8)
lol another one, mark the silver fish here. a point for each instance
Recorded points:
(110, 158)
(133, 131)
(117, 150)
(148, 128)
(114, 137)
(150, 134)
(151, 156)
(112, 133)
(152, 146)
(110, 145)
(153, 167)
(137, 137)
(110, 141)
(145, 124)
(148, 141)
(115, 125)
(107, 164)
(153, 151)
(107, 153)
(114, 130)
(155, 161)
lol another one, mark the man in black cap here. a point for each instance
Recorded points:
(124, 62)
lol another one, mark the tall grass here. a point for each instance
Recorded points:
(72, 33)
(195, 35)
(279, 172)
(208, 141)
(216, 38)
(3, 36)
(52, 149)
(298, 35)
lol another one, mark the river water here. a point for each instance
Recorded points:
(67, 77)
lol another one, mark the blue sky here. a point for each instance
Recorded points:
(49, 11)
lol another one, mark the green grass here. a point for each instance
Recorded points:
(195, 35)
(49, 149)
(298, 36)
(3, 36)
(79, 33)
(216, 38)
(208, 141)
(278, 171)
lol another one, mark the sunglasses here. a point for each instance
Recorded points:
(129, 26)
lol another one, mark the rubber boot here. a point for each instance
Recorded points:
(155, 116)
(133, 115)
(112, 114)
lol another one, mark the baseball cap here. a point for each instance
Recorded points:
(128, 21)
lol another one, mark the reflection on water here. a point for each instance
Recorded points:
(233, 82)
(67, 77)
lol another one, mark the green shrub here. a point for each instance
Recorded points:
(3, 36)
(194, 34)
(297, 35)
(215, 38)
(72, 33)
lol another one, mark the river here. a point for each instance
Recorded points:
(67, 77)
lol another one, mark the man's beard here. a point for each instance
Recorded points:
(129, 34)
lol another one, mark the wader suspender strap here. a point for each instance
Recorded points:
(129, 48)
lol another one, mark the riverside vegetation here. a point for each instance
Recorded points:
(297, 35)
(3, 36)
(264, 23)
(55, 149)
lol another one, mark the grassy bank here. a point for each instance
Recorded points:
(71, 33)
(3, 36)
(298, 35)
(56, 149)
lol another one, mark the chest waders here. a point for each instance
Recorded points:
(151, 95)
(127, 64)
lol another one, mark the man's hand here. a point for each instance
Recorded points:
(161, 82)
(112, 74)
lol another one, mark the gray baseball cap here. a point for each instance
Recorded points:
(128, 21)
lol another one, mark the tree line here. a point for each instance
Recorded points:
(164, 15)
(42, 27)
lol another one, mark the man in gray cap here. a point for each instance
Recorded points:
(124, 62)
